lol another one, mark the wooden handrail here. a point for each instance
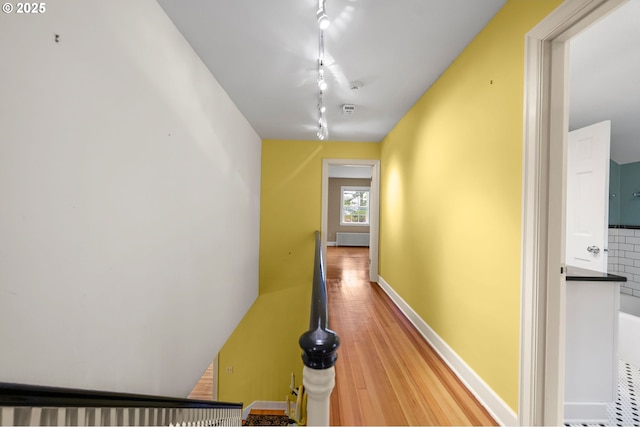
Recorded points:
(319, 343)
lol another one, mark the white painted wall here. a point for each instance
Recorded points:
(129, 202)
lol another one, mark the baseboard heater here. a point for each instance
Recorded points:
(352, 239)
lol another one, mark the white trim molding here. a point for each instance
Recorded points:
(488, 398)
(543, 283)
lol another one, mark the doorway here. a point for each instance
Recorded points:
(374, 198)
(544, 208)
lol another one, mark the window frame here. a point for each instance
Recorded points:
(344, 188)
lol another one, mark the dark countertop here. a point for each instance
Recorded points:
(577, 274)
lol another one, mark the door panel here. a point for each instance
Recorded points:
(587, 196)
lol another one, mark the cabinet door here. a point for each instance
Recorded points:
(591, 368)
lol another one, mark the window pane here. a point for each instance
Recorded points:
(355, 206)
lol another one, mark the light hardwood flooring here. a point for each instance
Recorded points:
(204, 388)
(386, 373)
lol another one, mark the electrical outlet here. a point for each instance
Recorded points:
(229, 370)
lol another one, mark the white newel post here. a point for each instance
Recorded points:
(318, 384)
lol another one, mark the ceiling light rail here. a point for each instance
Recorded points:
(323, 24)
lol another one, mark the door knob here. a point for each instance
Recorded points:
(593, 249)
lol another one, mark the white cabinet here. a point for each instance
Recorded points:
(591, 359)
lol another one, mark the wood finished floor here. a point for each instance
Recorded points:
(386, 373)
(203, 390)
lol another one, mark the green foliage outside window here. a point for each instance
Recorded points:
(355, 206)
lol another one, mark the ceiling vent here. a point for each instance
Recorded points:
(348, 109)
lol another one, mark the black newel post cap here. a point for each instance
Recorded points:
(319, 348)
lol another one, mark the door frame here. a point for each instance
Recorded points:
(374, 208)
(542, 323)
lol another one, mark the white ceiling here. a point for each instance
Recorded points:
(264, 54)
(605, 79)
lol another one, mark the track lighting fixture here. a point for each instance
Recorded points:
(323, 23)
(322, 84)
(323, 133)
(321, 15)
(323, 20)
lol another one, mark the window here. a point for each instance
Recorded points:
(354, 209)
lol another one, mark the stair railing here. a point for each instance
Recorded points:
(52, 406)
(319, 345)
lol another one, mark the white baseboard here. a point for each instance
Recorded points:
(332, 244)
(585, 413)
(488, 398)
(263, 404)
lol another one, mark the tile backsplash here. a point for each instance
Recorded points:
(624, 258)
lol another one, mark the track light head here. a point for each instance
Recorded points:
(323, 132)
(321, 15)
(323, 19)
(322, 84)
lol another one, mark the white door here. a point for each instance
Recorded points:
(588, 196)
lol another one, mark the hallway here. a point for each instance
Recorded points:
(386, 373)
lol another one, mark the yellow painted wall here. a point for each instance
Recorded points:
(263, 350)
(290, 208)
(290, 212)
(451, 198)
